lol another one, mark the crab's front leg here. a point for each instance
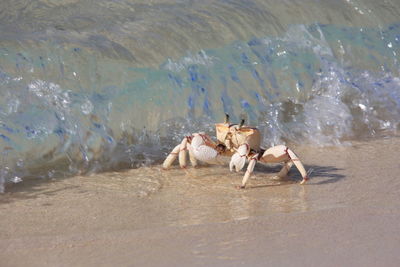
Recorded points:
(249, 171)
(239, 159)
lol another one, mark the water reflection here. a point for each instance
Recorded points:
(240, 208)
(208, 195)
(293, 199)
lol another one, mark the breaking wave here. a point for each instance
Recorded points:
(91, 86)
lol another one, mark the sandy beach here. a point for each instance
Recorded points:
(347, 215)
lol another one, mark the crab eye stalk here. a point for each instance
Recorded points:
(241, 123)
(226, 118)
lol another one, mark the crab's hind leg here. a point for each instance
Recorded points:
(293, 157)
(179, 151)
(285, 169)
(171, 157)
(281, 153)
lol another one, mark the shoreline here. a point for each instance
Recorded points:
(347, 214)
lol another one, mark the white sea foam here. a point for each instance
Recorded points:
(200, 58)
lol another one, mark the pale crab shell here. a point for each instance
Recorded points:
(238, 136)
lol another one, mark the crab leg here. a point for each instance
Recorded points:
(171, 157)
(249, 171)
(285, 169)
(183, 152)
(282, 153)
(207, 140)
(192, 158)
(298, 164)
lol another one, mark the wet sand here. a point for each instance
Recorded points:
(347, 215)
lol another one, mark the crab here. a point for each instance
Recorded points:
(239, 142)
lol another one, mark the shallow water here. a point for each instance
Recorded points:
(89, 86)
(344, 177)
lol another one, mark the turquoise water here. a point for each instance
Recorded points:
(87, 86)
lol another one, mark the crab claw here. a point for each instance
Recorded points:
(203, 152)
(237, 161)
(239, 158)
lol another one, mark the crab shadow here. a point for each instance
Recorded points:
(318, 174)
